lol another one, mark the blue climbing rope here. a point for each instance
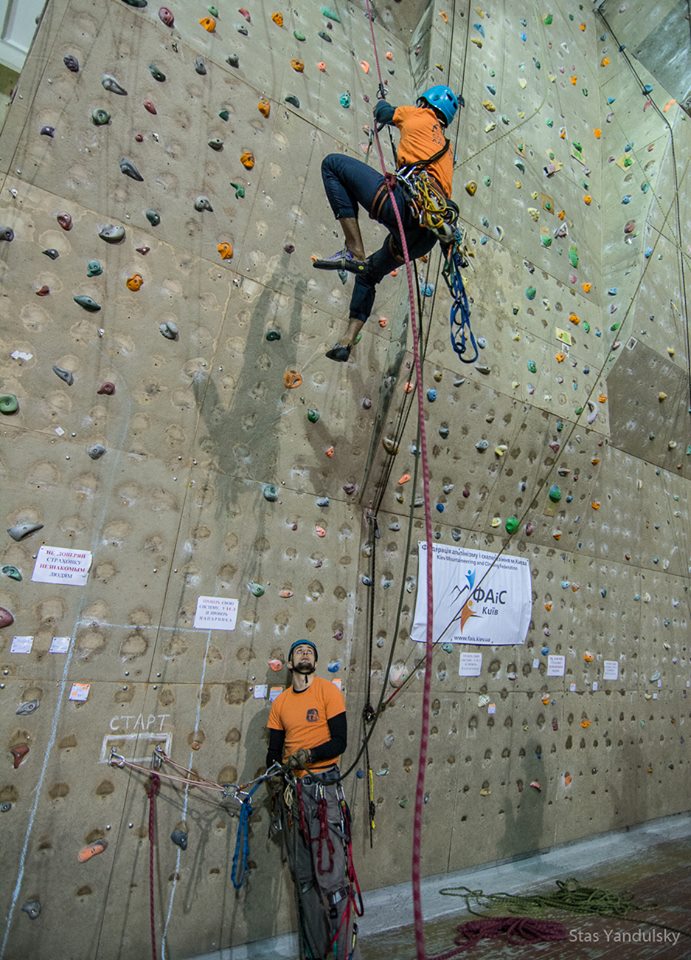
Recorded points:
(461, 331)
(241, 855)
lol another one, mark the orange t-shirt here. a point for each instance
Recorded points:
(422, 135)
(304, 717)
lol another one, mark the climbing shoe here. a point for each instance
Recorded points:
(339, 353)
(342, 260)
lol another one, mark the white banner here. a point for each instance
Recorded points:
(471, 605)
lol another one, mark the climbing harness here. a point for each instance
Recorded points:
(426, 199)
(461, 330)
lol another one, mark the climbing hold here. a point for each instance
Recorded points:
(511, 524)
(32, 908)
(285, 594)
(87, 303)
(275, 664)
(312, 415)
(530, 293)
(21, 530)
(209, 24)
(27, 707)
(245, 13)
(112, 234)
(277, 19)
(444, 430)
(554, 493)
(65, 375)
(65, 220)
(330, 14)
(297, 65)
(179, 838)
(264, 107)
(94, 268)
(239, 190)
(247, 159)
(129, 169)
(293, 101)
(390, 445)
(157, 74)
(8, 403)
(344, 99)
(6, 618)
(225, 249)
(587, 199)
(153, 216)
(150, 107)
(233, 60)
(165, 15)
(47, 131)
(109, 83)
(482, 445)
(135, 282)
(71, 63)
(292, 379)
(169, 330)
(19, 753)
(107, 388)
(270, 492)
(471, 188)
(91, 850)
(200, 66)
(330, 451)
(9, 570)
(202, 203)
(52, 253)
(323, 35)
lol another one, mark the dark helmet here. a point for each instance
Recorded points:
(442, 100)
(303, 643)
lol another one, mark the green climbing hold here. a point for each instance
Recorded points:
(614, 326)
(549, 20)
(532, 366)
(299, 36)
(512, 524)
(11, 571)
(224, 115)
(139, 4)
(239, 190)
(487, 181)
(554, 493)
(530, 293)
(256, 589)
(100, 117)
(8, 403)
(270, 492)
(573, 256)
(273, 335)
(87, 303)
(312, 415)
(549, 122)
(586, 326)
(577, 146)
(153, 216)
(213, 11)
(94, 268)
(156, 73)
(330, 14)
(546, 240)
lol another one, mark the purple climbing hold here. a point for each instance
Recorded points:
(165, 15)
(47, 131)
(7, 233)
(71, 63)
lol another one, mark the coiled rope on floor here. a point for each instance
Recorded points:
(570, 897)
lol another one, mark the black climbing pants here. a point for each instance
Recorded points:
(316, 834)
(350, 184)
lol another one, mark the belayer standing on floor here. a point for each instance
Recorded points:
(422, 191)
(307, 734)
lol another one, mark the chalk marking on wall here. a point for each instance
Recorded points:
(115, 740)
(37, 796)
(185, 804)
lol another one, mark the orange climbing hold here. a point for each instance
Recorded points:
(562, 215)
(329, 452)
(226, 250)
(135, 282)
(383, 322)
(444, 16)
(595, 504)
(292, 379)
(91, 850)
(364, 66)
(587, 199)
(602, 398)
(389, 55)
(264, 107)
(586, 287)
(574, 318)
(604, 62)
(208, 23)
(574, 80)
(597, 133)
(277, 19)
(560, 357)
(285, 594)
(320, 531)
(297, 65)
(247, 159)
(585, 724)
(581, 27)
(408, 387)
(548, 606)
(404, 478)
(321, 66)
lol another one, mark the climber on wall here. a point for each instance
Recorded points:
(307, 734)
(422, 192)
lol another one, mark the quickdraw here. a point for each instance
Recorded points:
(461, 330)
(427, 200)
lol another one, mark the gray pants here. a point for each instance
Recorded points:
(316, 833)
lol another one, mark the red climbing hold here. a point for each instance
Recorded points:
(18, 753)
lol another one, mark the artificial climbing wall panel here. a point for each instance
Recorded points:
(180, 422)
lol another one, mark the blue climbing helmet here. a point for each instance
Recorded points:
(442, 100)
(303, 643)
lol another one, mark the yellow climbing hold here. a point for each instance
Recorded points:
(477, 41)
(661, 396)
(604, 62)
(135, 281)
(587, 199)
(489, 106)
(595, 504)
(264, 107)
(574, 318)
(247, 159)
(277, 19)
(586, 287)
(471, 188)
(208, 23)
(560, 357)
(297, 65)
(226, 250)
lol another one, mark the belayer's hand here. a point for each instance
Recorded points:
(299, 760)
(383, 113)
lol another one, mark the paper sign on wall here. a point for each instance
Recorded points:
(479, 597)
(62, 565)
(611, 670)
(470, 665)
(556, 664)
(216, 613)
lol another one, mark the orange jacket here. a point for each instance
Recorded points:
(422, 135)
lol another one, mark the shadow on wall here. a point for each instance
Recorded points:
(525, 819)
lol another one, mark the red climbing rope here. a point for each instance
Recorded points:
(152, 792)
(429, 642)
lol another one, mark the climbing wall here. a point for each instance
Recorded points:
(172, 430)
